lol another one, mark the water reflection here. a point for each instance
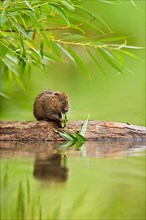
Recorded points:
(96, 149)
(55, 186)
(51, 168)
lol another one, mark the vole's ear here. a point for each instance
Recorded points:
(57, 93)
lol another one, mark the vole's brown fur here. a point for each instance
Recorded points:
(49, 105)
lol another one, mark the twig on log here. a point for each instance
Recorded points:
(44, 131)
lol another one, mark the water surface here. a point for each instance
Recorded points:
(102, 180)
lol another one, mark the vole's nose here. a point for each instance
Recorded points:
(65, 110)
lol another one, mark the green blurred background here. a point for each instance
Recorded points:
(117, 98)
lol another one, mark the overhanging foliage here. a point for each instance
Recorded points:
(37, 33)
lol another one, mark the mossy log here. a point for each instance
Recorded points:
(45, 131)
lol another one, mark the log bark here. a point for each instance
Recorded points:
(45, 131)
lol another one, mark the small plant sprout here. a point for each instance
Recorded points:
(64, 121)
(76, 139)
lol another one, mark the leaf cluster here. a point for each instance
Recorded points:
(37, 33)
(76, 140)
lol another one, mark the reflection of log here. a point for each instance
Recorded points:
(43, 150)
(44, 131)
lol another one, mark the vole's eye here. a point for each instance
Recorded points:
(57, 94)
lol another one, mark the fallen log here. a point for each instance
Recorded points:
(45, 131)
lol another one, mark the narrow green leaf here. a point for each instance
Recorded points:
(78, 145)
(99, 19)
(40, 213)
(67, 145)
(28, 190)
(80, 137)
(53, 47)
(97, 63)
(106, 1)
(83, 151)
(32, 48)
(68, 136)
(22, 67)
(119, 58)
(4, 95)
(60, 11)
(79, 62)
(10, 66)
(75, 37)
(34, 21)
(20, 202)
(23, 48)
(20, 83)
(114, 38)
(110, 59)
(3, 50)
(130, 54)
(72, 26)
(48, 56)
(2, 18)
(56, 212)
(84, 127)
(6, 4)
(66, 52)
(29, 5)
(68, 5)
(23, 21)
(84, 22)
(28, 76)
(42, 49)
(65, 137)
(75, 27)
(133, 3)
(19, 27)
